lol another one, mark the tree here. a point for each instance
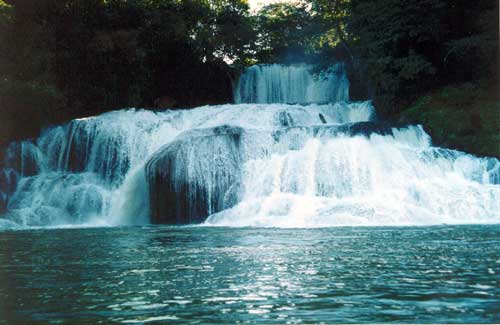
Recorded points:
(68, 58)
(285, 33)
(404, 48)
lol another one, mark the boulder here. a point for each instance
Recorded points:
(196, 175)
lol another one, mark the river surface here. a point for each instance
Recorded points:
(251, 275)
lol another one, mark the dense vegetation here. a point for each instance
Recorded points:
(464, 117)
(67, 58)
(432, 62)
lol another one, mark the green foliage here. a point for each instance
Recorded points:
(465, 117)
(396, 41)
(398, 51)
(71, 58)
(285, 33)
(406, 48)
(119, 51)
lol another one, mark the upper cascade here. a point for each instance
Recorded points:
(292, 84)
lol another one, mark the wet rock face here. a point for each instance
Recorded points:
(200, 173)
(8, 183)
(23, 157)
(330, 131)
(196, 175)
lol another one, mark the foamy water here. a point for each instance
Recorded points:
(263, 165)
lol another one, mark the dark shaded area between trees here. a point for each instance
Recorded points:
(62, 59)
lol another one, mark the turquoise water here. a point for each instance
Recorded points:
(250, 275)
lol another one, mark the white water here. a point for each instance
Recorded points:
(276, 83)
(377, 180)
(301, 166)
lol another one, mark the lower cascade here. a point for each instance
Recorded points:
(247, 164)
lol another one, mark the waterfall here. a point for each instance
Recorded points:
(321, 161)
(275, 83)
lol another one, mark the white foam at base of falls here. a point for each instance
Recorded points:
(364, 181)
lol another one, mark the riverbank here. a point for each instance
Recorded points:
(464, 117)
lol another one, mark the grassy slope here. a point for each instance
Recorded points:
(465, 117)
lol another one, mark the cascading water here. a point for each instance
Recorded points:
(275, 83)
(247, 164)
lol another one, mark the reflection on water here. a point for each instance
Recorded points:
(166, 274)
